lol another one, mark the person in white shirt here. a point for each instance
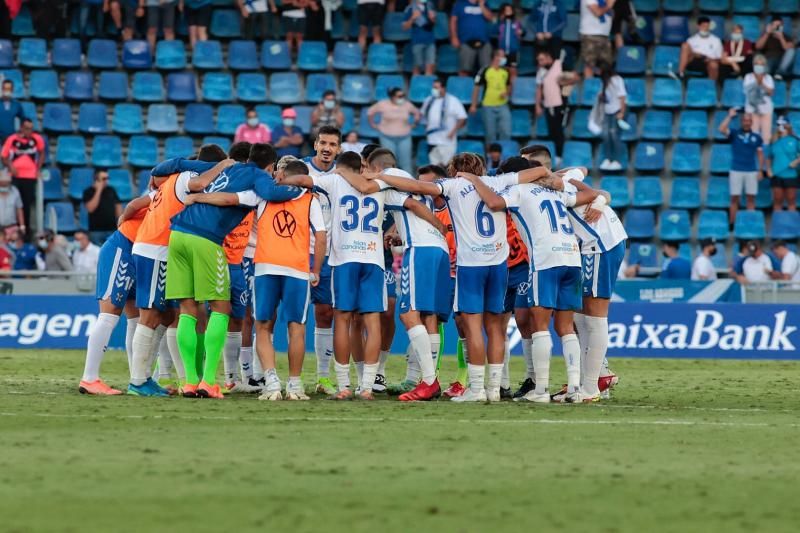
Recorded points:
(443, 115)
(757, 267)
(595, 28)
(790, 262)
(702, 267)
(702, 51)
(86, 256)
(613, 100)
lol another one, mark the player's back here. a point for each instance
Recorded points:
(153, 235)
(412, 229)
(237, 241)
(601, 236)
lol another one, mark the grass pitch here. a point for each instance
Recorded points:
(683, 446)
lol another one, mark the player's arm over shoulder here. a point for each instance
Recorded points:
(419, 209)
(222, 199)
(410, 185)
(201, 181)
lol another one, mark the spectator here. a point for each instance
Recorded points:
(160, 13)
(674, 266)
(51, 18)
(316, 27)
(777, 47)
(85, 257)
(702, 51)
(288, 139)
(293, 14)
(420, 18)
(782, 163)
(124, 14)
(624, 13)
(370, 15)
(496, 83)
(594, 28)
(443, 115)
(703, 268)
(469, 34)
(23, 154)
(6, 257)
(756, 266)
(395, 126)
(10, 110)
(24, 252)
(494, 157)
(11, 212)
(253, 131)
(103, 206)
(550, 78)
(198, 17)
(612, 100)
(92, 10)
(326, 113)
(509, 36)
(737, 55)
(790, 264)
(747, 161)
(758, 89)
(255, 18)
(351, 143)
(55, 257)
(548, 19)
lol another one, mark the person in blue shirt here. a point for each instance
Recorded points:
(10, 111)
(783, 158)
(747, 161)
(509, 36)
(288, 139)
(548, 19)
(420, 18)
(469, 34)
(674, 266)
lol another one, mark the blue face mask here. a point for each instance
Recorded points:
(759, 69)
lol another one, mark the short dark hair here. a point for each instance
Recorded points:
(350, 160)
(327, 93)
(26, 120)
(702, 19)
(263, 155)
(98, 170)
(330, 130)
(495, 147)
(295, 167)
(240, 151)
(433, 169)
(778, 243)
(393, 91)
(514, 164)
(368, 149)
(211, 153)
(536, 149)
(382, 157)
(11, 82)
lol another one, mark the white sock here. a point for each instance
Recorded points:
(413, 371)
(541, 350)
(258, 372)
(98, 344)
(233, 341)
(130, 329)
(142, 347)
(164, 359)
(246, 362)
(382, 362)
(596, 352)
(323, 347)
(526, 354)
(435, 345)
(360, 370)
(342, 375)
(605, 362)
(294, 384)
(475, 375)
(495, 376)
(273, 382)
(572, 357)
(368, 376)
(421, 346)
(583, 339)
(505, 380)
(175, 353)
(154, 348)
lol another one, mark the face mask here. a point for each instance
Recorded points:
(7, 94)
(666, 256)
(705, 33)
(5, 189)
(759, 69)
(329, 104)
(713, 251)
(252, 122)
(435, 93)
(42, 243)
(288, 122)
(400, 101)
(503, 61)
(736, 36)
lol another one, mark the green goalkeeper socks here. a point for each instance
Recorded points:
(461, 376)
(216, 332)
(187, 345)
(200, 353)
(441, 348)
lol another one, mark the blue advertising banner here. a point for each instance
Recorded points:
(675, 290)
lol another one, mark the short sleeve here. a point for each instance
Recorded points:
(315, 217)
(249, 198)
(447, 186)
(88, 193)
(325, 182)
(394, 199)
(769, 82)
(501, 181)
(512, 196)
(619, 86)
(39, 142)
(114, 195)
(382, 185)
(460, 112)
(182, 185)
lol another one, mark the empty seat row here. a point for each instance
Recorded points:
(676, 225)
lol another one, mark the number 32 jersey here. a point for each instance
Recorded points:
(356, 234)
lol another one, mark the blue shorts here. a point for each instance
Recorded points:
(116, 272)
(292, 294)
(518, 277)
(151, 278)
(481, 289)
(600, 271)
(451, 288)
(359, 287)
(321, 294)
(556, 288)
(390, 280)
(425, 281)
(240, 296)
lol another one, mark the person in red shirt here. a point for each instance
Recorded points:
(737, 55)
(23, 155)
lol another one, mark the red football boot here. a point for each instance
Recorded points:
(422, 392)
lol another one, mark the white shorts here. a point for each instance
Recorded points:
(441, 154)
(743, 180)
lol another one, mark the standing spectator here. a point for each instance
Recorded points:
(293, 14)
(326, 113)
(92, 10)
(469, 34)
(370, 15)
(613, 100)
(24, 252)
(550, 78)
(11, 212)
(594, 28)
(198, 17)
(624, 13)
(790, 264)
(737, 55)
(6, 256)
(351, 143)
(509, 36)
(702, 51)
(160, 13)
(51, 18)
(10, 111)
(777, 47)
(443, 115)
(420, 18)
(703, 268)
(85, 257)
(747, 161)
(253, 131)
(5, 20)
(756, 266)
(674, 266)
(496, 82)
(124, 14)
(758, 89)
(548, 19)
(395, 126)
(288, 139)
(103, 205)
(783, 160)
(23, 154)
(55, 257)
(255, 18)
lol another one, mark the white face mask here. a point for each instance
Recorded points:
(705, 33)
(503, 61)
(329, 104)
(736, 36)
(435, 93)
(288, 122)
(759, 69)
(400, 101)
(42, 243)
(252, 122)
(7, 94)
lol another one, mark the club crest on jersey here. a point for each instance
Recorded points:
(219, 184)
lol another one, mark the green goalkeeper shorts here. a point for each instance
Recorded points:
(196, 268)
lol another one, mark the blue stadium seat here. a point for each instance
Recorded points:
(162, 118)
(181, 87)
(577, 154)
(143, 151)
(57, 118)
(365, 131)
(657, 125)
(719, 116)
(393, 27)
(785, 225)
(16, 76)
(475, 126)
(285, 88)
(631, 134)
(222, 142)
(148, 87)
(420, 88)
(674, 29)
(637, 93)
(242, 55)
(382, 58)
(748, 6)
(666, 59)
(349, 118)
(732, 93)
(251, 87)
(136, 55)
(107, 151)
(461, 88)
(749, 225)
(712, 224)
(718, 193)
(120, 179)
(751, 26)
(225, 24)
(304, 118)
(347, 56)
(631, 60)
(645, 29)
(686, 158)
(29, 111)
(779, 97)
(580, 128)
(701, 92)
(618, 189)
(589, 91)
(466, 145)
(640, 223)
(521, 123)
(601, 156)
(178, 147)
(675, 225)
(53, 186)
(523, 92)
(527, 61)
(647, 6)
(102, 54)
(685, 193)
(217, 87)
(112, 86)
(127, 119)
(32, 53)
(71, 150)
(170, 55)
(542, 131)
(6, 54)
(675, 6)
(64, 215)
(649, 157)
(80, 179)
(269, 115)
(784, 7)
(317, 84)
(44, 85)
(644, 254)
(199, 119)
(667, 93)
(92, 118)
(422, 158)
(313, 56)
(66, 53)
(714, 6)
(647, 192)
(510, 148)
(446, 59)
(570, 33)
(207, 55)
(275, 55)
(230, 117)
(720, 158)
(693, 125)
(79, 85)
(384, 82)
(794, 96)
(357, 89)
